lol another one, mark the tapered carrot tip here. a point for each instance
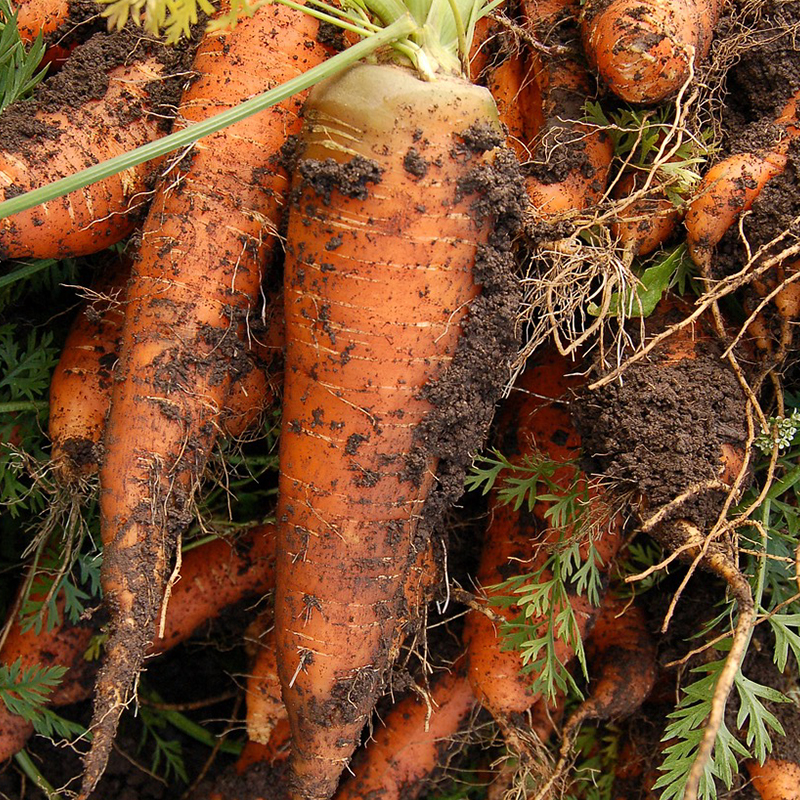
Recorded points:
(775, 779)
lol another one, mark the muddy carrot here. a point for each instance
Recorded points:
(80, 389)
(407, 747)
(570, 159)
(731, 186)
(127, 86)
(387, 234)
(194, 282)
(214, 576)
(645, 51)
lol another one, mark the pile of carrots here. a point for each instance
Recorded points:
(351, 259)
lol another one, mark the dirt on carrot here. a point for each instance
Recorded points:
(85, 77)
(662, 430)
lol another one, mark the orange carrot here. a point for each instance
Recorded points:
(214, 576)
(58, 22)
(265, 709)
(622, 662)
(542, 424)
(407, 747)
(775, 779)
(731, 187)
(644, 224)
(80, 389)
(646, 51)
(570, 159)
(58, 133)
(384, 233)
(195, 280)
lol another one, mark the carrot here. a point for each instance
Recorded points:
(59, 22)
(265, 709)
(386, 247)
(775, 779)
(622, 658)
(214, 576)
(541, 423)
(80, 389)
(408, 746)
(731, 187)
(685, 362)
(60, 132)
(570, 159)
(645, 223)
(195, 280)
(646, 51)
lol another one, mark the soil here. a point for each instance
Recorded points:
(661, 430)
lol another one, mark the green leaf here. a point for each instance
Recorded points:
(18, 66)
(641, 300)
(25, 690)
(753, 713)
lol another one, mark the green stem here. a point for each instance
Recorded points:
(18, 406)
(29, 768)
(199, 733)
(26, 271)
(402, 27)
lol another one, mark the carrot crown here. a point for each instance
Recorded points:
(439, 44)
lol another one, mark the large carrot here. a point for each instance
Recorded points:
(387, 249)
(214, 576)
(536, 422)
(127, 86)
(195, 280)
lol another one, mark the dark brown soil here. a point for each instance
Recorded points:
(85, 77)
(661, 429)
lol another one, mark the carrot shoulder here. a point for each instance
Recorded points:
(385, 252)
(195, 280)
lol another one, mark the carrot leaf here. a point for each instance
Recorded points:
(25, 690)
(18, 66)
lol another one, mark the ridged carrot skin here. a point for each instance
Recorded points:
(99, 128)
(381, 246)
(536, 420)
(196, 278)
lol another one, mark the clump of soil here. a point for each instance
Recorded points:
(661, 430)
